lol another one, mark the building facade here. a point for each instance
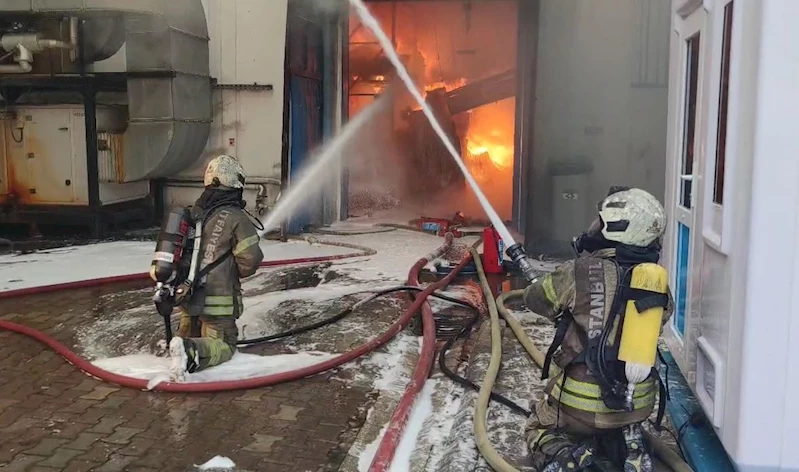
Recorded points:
(732, 198)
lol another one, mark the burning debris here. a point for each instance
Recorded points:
(468, 75)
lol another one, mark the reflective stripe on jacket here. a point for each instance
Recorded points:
(228, 230)
(579, 396)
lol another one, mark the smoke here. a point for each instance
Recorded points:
(329, 6)
(376, 164)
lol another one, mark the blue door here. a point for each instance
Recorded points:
(305, 121)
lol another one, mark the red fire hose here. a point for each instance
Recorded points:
(391, 438)
(256, 382)
(363, 251)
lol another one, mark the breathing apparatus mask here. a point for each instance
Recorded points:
(592, 239)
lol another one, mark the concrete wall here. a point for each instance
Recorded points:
(248, 40)
(601, 93)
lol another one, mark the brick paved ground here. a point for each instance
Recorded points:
(53, 417)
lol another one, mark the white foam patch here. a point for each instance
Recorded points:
(241, 366)
(276, 250)
(75, 263)
(368, 453)
(217, 463)
(440, 425)
(391, 371)
(422, 409)
(113, 259)
(397, 251)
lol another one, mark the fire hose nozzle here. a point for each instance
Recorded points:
(519, 257)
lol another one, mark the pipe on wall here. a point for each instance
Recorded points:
(259, 185)
(26, 44)
(168, 70)
(24, 62)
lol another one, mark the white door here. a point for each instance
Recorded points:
(687, 161)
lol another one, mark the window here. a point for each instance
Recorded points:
(724, 88)
(682, 278)
(689, 130)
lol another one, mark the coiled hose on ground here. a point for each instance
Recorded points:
(141, 384)
(661, 450)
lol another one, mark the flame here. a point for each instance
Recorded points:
(427, 37)
(491, 129)
(448, 85)
(499, 154)
(488, 153)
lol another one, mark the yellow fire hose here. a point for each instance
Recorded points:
(481, 409)
(495, 309)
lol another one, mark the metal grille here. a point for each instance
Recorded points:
(111, 157)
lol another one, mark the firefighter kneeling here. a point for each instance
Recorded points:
(610, 303)
(228, 250)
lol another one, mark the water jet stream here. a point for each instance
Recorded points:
(310, 178)
(372, 24)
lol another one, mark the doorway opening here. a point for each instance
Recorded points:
(462, 55)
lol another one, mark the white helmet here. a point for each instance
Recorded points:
(226, 171)
(632, 217)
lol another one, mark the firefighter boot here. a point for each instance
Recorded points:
(571, 459)
(184, 358)
(559, 452)
(638, 458)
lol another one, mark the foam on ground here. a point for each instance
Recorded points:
(241, 366)
(217, 463)
(114, 259)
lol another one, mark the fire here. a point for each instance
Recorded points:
(449, 45)
(491, 129)
(449, 85)
(499, 154)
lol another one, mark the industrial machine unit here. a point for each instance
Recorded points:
(98, 98)
(43, 161)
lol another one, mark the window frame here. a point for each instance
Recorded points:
(689, 19)
(686, 129)
(717, 217)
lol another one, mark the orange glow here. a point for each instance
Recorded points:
(450, 85)
(488, 154)
(450, 45)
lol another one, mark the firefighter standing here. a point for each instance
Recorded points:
(207, 333)
(573, 428)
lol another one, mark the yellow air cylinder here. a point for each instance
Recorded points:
(640, 331)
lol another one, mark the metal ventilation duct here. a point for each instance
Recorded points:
(169, 91)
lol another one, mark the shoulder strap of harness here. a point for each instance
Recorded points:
(566, 320)
(205, 270)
